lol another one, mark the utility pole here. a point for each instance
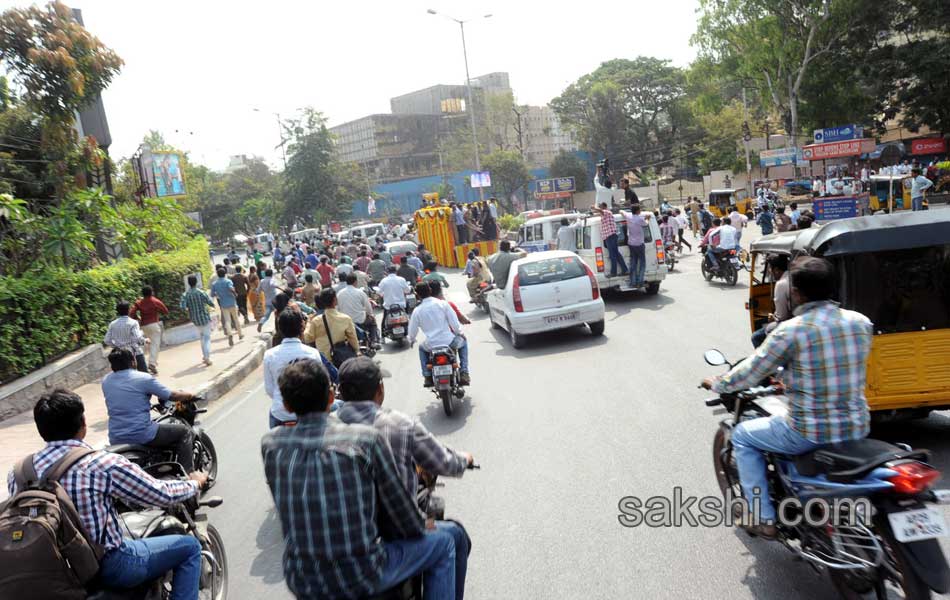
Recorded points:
(471, 110)
(746, 138)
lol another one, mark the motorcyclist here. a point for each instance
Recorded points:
(500, 263)
(361, 385)
(824, 350)
(441, 327)
(477, 271)
(128, 394)
(722, 240)
(393, 289)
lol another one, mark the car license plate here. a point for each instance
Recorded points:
(571, 316)
(439, 371)
(916, 525)
(399, 330)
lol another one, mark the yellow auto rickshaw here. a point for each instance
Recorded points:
(895, 269)
(890, 192)
(721, 200)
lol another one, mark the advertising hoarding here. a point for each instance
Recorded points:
(779, 157)
(928, 146)
(832, 208)
(481, 180)
(838, 149)
(557, 184)
(169, 180)
(838, 134)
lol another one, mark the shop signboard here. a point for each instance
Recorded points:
(928, 146)
(832, 208)
(556, 184)
(779, 157)
(838, 149)
(838, 134)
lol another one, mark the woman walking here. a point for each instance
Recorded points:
(254, 298)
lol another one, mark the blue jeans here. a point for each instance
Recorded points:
(138, 561)
(638, 264)
(268, 309)
(615, 257)
(434, 555)
(459, 343)
(917, 203)
(750, 440)
(205, 331)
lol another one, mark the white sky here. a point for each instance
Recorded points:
(196, 69)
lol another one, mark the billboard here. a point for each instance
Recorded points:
(831, 208)
(557, 184)
(166, 168)
(779, 157)
(838, 134)
(481, 180)
(838, 149)
(928, 146)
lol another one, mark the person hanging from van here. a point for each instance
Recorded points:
(608, 234)
(636, 243)
(566, 236)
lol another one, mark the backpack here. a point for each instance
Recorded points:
(45, 551)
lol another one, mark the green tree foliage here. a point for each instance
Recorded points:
(632, 111)
(567, 164)
(509, 175)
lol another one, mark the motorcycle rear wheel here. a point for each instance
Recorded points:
(217, 586)
(206, 458)
(707, 274)
(859, 586)
(731, 275)
(448, 404)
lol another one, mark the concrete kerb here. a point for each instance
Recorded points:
(226, 380)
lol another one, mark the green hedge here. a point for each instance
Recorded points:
(47, 313)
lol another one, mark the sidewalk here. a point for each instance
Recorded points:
(180, 368)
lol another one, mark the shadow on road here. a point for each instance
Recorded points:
(267, 564)
(776, 569)
(433, 417)
(620, 304)
(551, 342)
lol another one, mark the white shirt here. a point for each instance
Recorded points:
(737, 220)
(605, 195)
(394, 289)
(275, 361)
(354, 303)
(566, 238)
(493, 210)
(438, 322)
(864, 174)
(344, 269)
(727, 237)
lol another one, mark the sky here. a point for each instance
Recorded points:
(196, 70)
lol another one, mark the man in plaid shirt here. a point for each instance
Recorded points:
(350, 528)
(196, 302)
(824, 350)
(95, 481)
(361, 384)
(608, 236)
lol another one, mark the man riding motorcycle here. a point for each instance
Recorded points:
(477, 271)
(824, 350)
(361, 385)
(441, 327)
(128, 394)
(393, 289)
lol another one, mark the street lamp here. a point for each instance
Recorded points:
(468, 86)
(280, 132)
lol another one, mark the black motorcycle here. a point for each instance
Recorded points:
(396, 324)
(481, 296)
(185, 413)
(446, 377)
(180, 519)
(727, 266)
(884, 541)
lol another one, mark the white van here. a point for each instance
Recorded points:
(592, 250)
(305, 235)
(540, 234)
(369, 232)
(262, 243)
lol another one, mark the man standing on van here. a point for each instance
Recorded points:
(608, 235)
(635, 240)
(566, 238)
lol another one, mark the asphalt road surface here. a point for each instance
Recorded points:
(563, 429)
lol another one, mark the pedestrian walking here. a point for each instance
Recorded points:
(694, 208)
(783, 222)
(269, 288)
(239, 279)
(223, 290)
(196, 302)
(147, 310)
(681, 224)
(765, 221)
(254, 298)
(124, 333)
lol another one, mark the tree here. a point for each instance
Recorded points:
(631, 111)
(774, 45)
(509, 174)
(567, 164)
(720, 148)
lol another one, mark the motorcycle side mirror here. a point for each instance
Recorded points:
(212, 501)
(715, 358)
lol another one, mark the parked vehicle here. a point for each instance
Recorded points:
(184, 413)
(590, 248)
(890, 192)
(888, 267)
(444, 363)
(369, 232)
(798, 187)
(728, 265)
(721, 200)
(180, 519)
(305, 235)
(892, 549)
(547, 291)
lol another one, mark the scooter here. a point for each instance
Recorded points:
(396, 324)
(883, 541)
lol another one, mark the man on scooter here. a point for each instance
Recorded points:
(824, 350)
(441, 327)
(361, 385)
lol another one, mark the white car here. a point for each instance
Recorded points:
(547, 291)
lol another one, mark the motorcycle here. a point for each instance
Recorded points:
(670, 257)
(728, 265)
(444, 364)
(892, 547)
(396, 324)
(184, 413)
(411, 302)
(481, 295)
(180, 519)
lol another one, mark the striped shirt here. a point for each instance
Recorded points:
(337, 491)
(608, 226)
(125, 333)
(196, 302)
(95, 480)
(411, 442)
(824, 350)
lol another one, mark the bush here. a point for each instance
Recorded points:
(47, 313)
(510, 222)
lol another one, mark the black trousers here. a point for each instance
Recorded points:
(242, 305)
(140, 363)
(179, 437)
(683, 241)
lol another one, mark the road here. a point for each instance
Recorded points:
(563, 429)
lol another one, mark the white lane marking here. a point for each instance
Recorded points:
(222, 416)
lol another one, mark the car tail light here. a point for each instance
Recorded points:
(913, 477)
(660, 252)
(599, 259)
(516, 295)
(594, 288)
(442, 359)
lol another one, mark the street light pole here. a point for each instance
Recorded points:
(280, 133)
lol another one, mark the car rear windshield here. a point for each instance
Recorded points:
(550, 270)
